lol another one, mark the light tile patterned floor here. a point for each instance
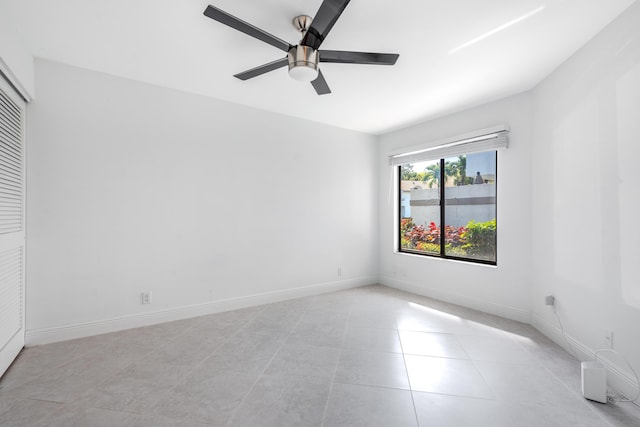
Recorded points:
(370, 356)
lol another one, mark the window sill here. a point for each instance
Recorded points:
(440, 259)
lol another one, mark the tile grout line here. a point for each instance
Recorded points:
(404, 360)
(335, 370)
(275, 353)
(190, 369)
(284, 332)
(195, 366)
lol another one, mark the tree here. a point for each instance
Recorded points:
(460, 174)
(432, 173)
(408, 174)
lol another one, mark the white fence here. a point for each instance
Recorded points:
(462, 204)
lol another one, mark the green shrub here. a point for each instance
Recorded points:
(475, 240)
(458, 251)
(481, 239)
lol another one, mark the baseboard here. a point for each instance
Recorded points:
(512, 313)
(80, 330)
(618, 378)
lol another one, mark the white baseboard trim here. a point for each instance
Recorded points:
(80, 330)
(618, 378)
(512, 313)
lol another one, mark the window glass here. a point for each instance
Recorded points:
(420, 207)
(463, 226)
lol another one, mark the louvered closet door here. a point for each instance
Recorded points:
(11, 225)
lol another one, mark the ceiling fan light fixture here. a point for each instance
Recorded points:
(303, 58)
(303, 63)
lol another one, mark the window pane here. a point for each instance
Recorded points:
(420, 207)
(470, 206)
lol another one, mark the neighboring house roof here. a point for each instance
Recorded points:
(413, 185)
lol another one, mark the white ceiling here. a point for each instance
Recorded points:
(172, 44)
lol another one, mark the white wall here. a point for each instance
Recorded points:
(133, 187)
(16, 60)
(586, 192)
(568, 204)
(505, 289)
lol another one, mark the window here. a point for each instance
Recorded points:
(447, 205)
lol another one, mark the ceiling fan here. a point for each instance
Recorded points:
(304, 57)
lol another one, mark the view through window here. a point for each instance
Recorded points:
(448, 207)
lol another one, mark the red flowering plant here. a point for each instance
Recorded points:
(406, 225)
(434, 233)
(428, 238)
(417, 234)
(454, 236)
(477, 240)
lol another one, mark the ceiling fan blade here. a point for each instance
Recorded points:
(255, 72)
(320, 84)
(238, 24)
(347, 57)
(328, 14)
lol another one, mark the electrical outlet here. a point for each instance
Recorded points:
(146, 297)
(608, 338)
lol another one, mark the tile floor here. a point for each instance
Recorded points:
(371, 356)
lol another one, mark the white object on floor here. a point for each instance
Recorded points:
(594, 381)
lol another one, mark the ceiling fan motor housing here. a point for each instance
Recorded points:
(303, 58)
(303, 63)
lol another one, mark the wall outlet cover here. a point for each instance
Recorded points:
(146, 298)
